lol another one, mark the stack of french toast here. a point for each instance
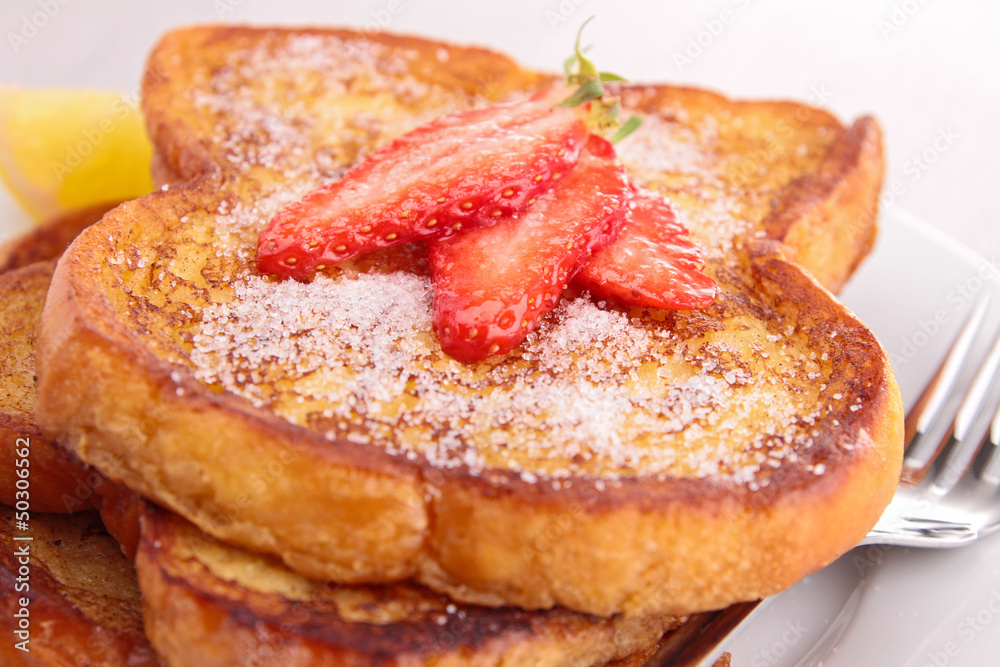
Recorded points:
(302, 476)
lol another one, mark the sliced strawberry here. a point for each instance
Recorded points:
(651, 263)
(492, 284)
(463, 170)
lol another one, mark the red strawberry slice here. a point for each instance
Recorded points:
(492, 284)
(463, 170)
(651, 262)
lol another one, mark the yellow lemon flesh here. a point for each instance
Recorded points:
(66, 149)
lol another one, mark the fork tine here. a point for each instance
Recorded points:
(971, 422)
(974, 400)
(995, 429)
(926, 435)
(929, 406)
(991, 471)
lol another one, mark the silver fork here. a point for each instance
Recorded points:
(951, 471)
(949, 492)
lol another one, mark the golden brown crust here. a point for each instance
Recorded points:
(819, 181)
(117, 385)
(83, 600)
(156, 428)
(828, 218)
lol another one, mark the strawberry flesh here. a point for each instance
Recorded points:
(461, 171)
(651, 263)
(493, 284)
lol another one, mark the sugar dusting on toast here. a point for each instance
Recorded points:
(594, 391)
(673, 155)
(259, 126)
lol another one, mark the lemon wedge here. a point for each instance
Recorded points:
(66, 149)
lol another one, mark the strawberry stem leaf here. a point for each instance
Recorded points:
(605, 110)
(579, 69)
(627, 128)
(591, 90)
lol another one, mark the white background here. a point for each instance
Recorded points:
(929, 71)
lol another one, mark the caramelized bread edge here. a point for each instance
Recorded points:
(829, 219)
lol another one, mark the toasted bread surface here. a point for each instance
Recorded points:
(778, 170)
(638, 460)
(83, 600)
(26, 265)
(208, 603)
(54, 485)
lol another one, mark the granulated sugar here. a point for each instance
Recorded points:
(677, 159)
(660, 147)
(260, 125)
(355, 356)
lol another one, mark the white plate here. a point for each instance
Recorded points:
(896, 606)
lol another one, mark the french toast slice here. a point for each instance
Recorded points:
(208, 603)
(83, 605)
(214, 98)
(88, 600)
(621, 459)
